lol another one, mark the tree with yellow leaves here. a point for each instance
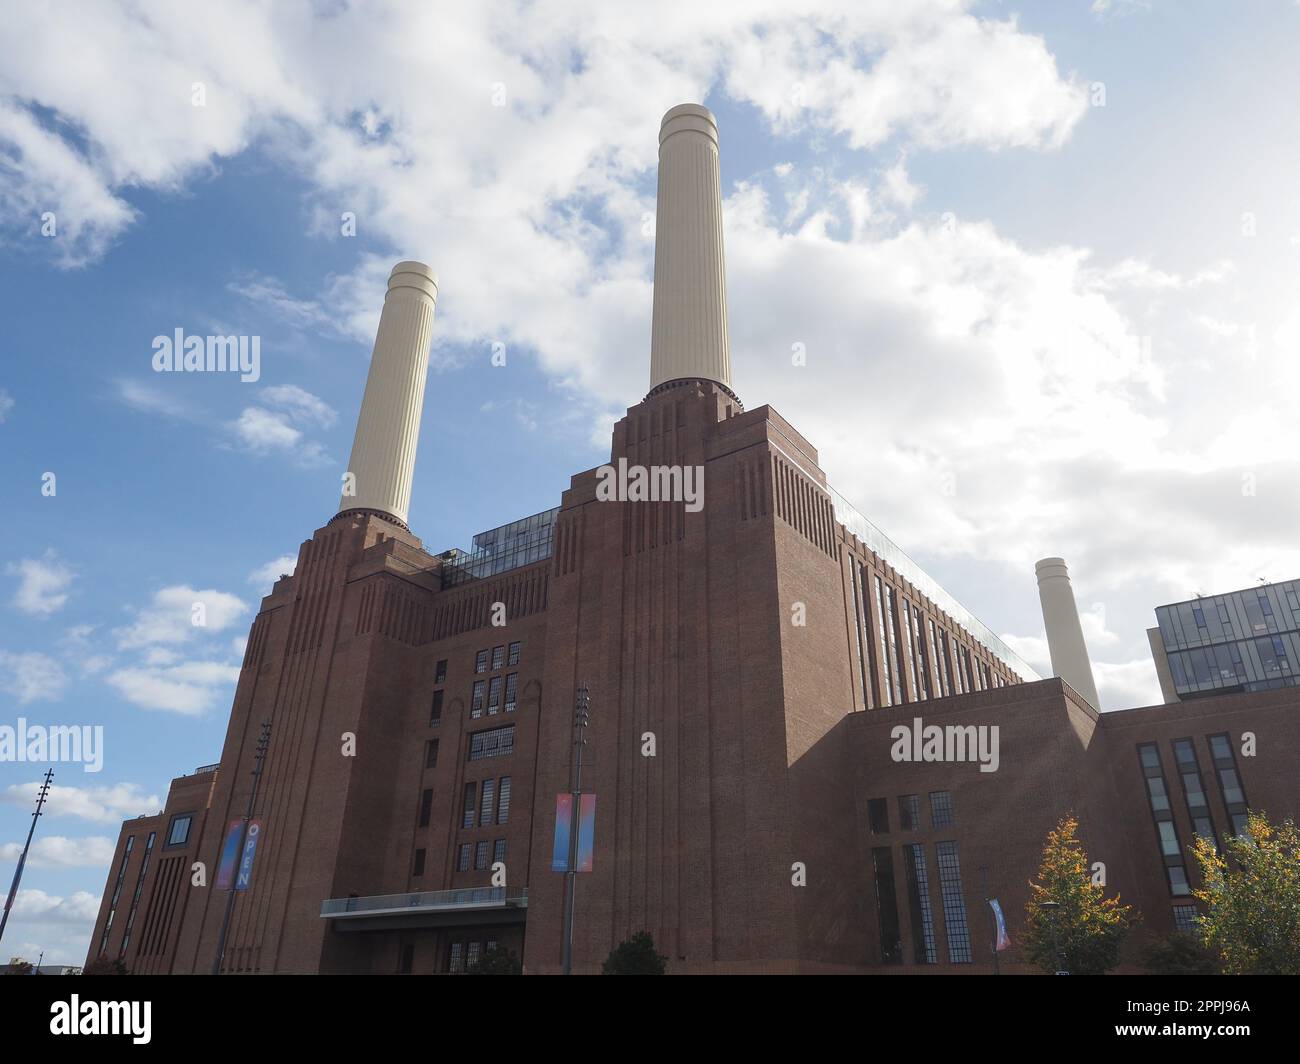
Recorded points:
(1252, 896)
(1070, 925)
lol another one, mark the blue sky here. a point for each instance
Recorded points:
(1035, 325)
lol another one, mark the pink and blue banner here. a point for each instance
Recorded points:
(229, 856)
(586, 833)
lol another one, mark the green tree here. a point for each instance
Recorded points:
(1070, 924)
(1180, 953)
(636, 956)
(1252, 896)
(496, 961)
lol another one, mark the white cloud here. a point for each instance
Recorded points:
(6, 404)
(190, 688)
(78, 908)
(58, 851)
(31, 676)
(42, 584)
(1127, 685)
(170, 617)
(280, 424)
(100, 805)
(265, 576)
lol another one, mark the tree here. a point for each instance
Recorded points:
(1180, 953)
(101, 965)
(1080, 930)
(1252, 896)
(636, 956)
(496, 961)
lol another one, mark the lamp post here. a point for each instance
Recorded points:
(1054, 907)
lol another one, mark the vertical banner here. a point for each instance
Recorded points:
(250, 849)
(586, 832)
(1004, 940)
(563, 819)
(229, 856)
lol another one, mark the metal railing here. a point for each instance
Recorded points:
(425, 901)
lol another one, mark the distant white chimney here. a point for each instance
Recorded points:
(1064, 633)
(388, 428)
(689, 331)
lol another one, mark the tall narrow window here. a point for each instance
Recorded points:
(954, 903)
(878, 816)
(430, 753)
(476, 699)
(462, 857)
(859, 637)
(1198, 807)
(487, 801)
(494, 696)
(918, 903)
(1171, 850)
(941, 809)
(117, 891)
(481, 856)
(885, 656)
(426, 806)
(435, 711)
(921, 654)
(513, 659)
(467, 807)
(417, 865)
(499, 851)
(1230, 786)
(503, 802)
(891, 945)
(512, 687)
(480, 661)
(909, 812)
(456, 958)
(440, 672)
(135, 898)
(498, 657)
(895, 650)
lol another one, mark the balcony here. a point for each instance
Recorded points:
(427, 908)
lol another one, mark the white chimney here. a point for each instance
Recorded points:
(388, 428)
(689, 333)
(1064, 633)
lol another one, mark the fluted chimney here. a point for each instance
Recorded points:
(689, 332)
(388, 428)
(1064, 632)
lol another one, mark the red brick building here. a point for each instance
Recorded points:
(746, 659)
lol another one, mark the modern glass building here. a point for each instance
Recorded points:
(1245, 640)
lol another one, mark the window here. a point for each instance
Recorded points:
(499, 851)
(909, 811)
(514, 654)
(476, 701)
(1171, 850)
(954, 903)
(1185, 918)
(494, 696)
(456, 958)
(472, 955)
(512, 685)
(462, 857)
(498, 657)
(911, 650)
(135, 899)
(494, 742)
(435, 713)
(417, 867)
(407, 962)
(117, 891)
(861, 639)
(430, 752)
(426, 806)
(941, 809)
(884, 643)
(485, 803)
(1198, 809)
(481, 856)
(918, 901)
(1230, 786)
(891, 946)
(878, 816)
(480, 661)
(503, 802)
(179, 833)
(467, 811)
(440, 672)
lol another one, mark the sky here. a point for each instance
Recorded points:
(1042, 260)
